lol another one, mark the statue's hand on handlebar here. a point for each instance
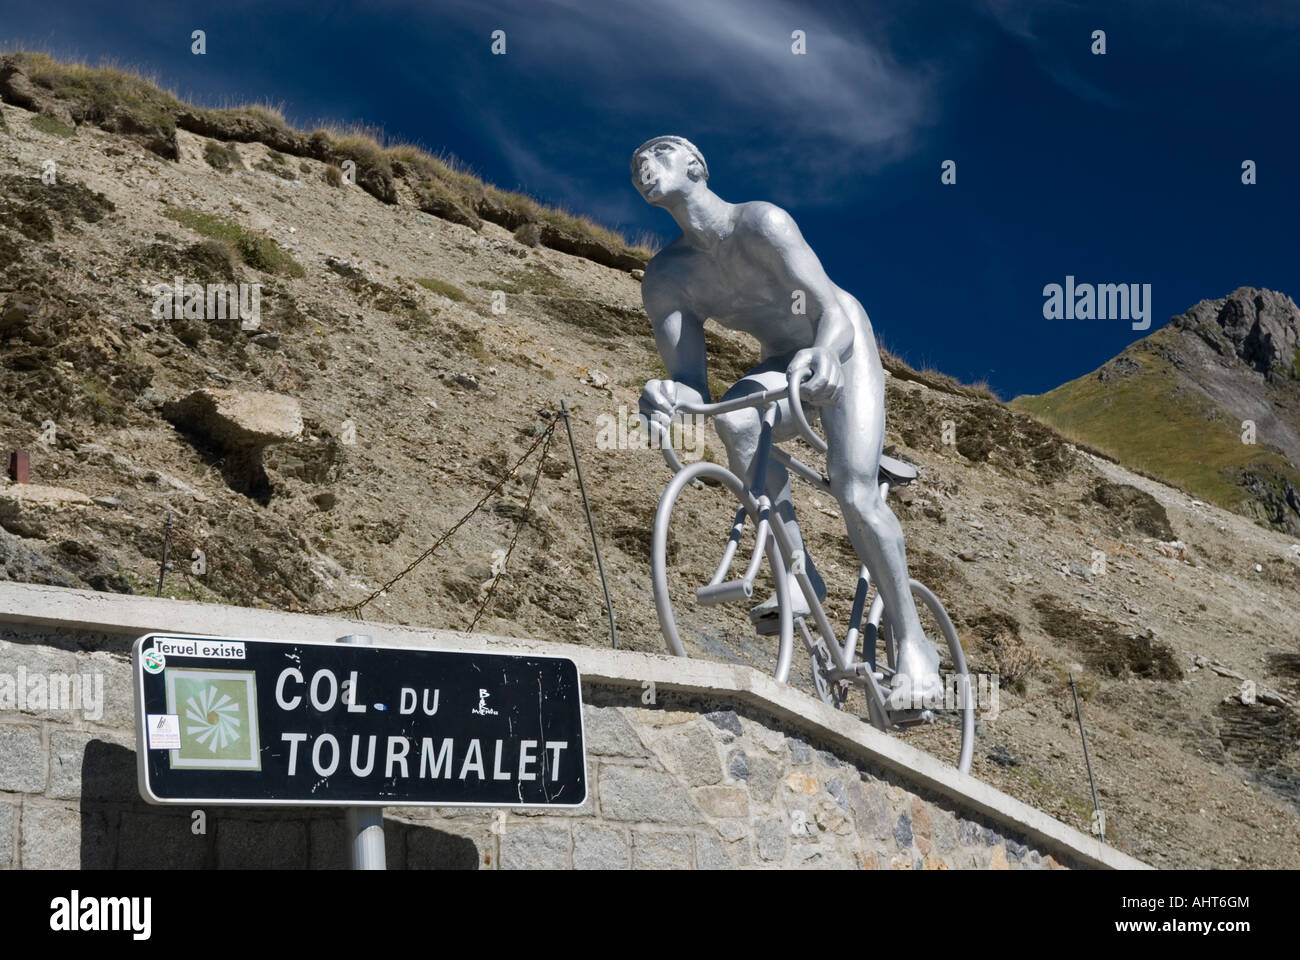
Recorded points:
(821, 374)
(660, 397)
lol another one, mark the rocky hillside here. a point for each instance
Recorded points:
(405, 357)
(1176, 404)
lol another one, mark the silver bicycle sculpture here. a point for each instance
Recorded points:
(836, 667)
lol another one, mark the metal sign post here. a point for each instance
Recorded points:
(365, 824)
(1096, 807)
(591, 525)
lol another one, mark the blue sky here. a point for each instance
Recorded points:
(1122, 168)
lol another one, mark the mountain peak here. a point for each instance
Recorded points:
(1261, 327)
(1210, 402)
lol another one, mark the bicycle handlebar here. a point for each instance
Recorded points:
(760, 399)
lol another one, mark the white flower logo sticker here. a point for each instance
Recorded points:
(218, 718)
(212, 716)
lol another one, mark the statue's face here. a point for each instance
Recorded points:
(661, 171)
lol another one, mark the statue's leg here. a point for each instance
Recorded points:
(740, 433)
(855, 434)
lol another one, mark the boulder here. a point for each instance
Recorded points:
(155, 134)
(25, 507)
(35, 494)
(98, 570)
(228, 125)
(239, 426)
(237, 420)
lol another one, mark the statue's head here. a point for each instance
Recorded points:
(665, 166)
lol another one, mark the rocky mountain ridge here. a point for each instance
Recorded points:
(1211, 401)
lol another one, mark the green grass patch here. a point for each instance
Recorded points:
(50, 125)
(221, 156)
(102, 91)
(1147, 420)
(98, 397)
(538, 282)
(275, 169)
(259, 252)
(442, 288)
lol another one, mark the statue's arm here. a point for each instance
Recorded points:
(781, 248)
(678, 332)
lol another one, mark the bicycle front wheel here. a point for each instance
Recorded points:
(719, 629)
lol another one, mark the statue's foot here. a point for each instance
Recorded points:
(766, 617)
(916, 685)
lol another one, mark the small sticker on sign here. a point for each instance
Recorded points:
(164, 731)
(198, 647)
(154, 662)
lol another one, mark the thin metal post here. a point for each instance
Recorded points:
(591, 525)
(365, 824)
(167, 539)
(1101, 819)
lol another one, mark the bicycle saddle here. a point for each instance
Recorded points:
(896, 472)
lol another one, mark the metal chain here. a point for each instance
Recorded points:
(523, 518)
(355, 608)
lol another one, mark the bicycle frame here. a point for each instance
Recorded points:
(756, 502)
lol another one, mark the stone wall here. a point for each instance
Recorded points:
(685, 782)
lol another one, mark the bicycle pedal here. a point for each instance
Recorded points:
(912, 718)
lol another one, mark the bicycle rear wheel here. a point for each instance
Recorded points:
(951, 737)
(720, 629)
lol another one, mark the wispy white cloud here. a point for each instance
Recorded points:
(811, 128)
(722, 74)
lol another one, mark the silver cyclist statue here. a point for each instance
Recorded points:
(747, 266)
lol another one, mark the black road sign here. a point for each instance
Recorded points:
(235, 721)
